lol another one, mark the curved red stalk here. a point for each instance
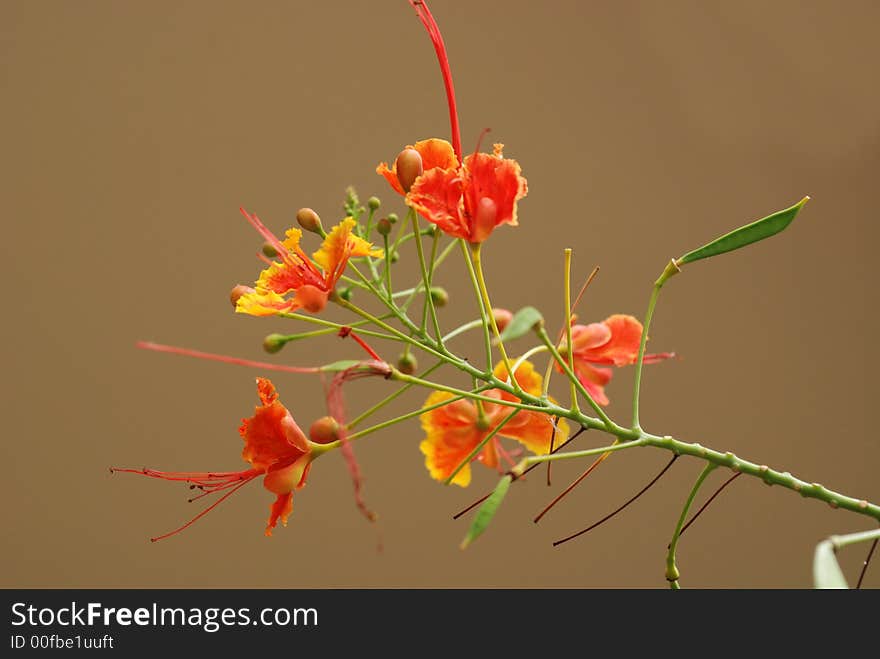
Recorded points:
(158, 347)
(433, 30)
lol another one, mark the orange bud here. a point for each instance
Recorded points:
(502, 318)
(237, 292)
(309, 220)
(324, 430)
(312, 298)
(408, 167)
(383, 226)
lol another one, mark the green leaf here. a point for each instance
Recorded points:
(826, 569)
(750, 233)
(342, 365)
(487, 511)
(522, 323)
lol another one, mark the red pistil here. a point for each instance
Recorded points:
(158, 347)
(433, 30)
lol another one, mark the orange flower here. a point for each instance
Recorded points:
(466, 200)
(276, 449)
(614, 342)
(297, 274)
(454, 430)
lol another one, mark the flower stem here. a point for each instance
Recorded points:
(490, 316)
(670, 270)
(426, 279)
(388, 399)
(672, 573)
(480, 303)
(609, 424)
(567, 277)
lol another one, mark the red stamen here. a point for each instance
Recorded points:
(347, 331)
(158, 347)
(433, 30)
(209, 482)
(204, 512)
(267, 235)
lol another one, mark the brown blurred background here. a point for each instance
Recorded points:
(132, 132)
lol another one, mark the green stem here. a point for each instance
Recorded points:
(567, 277)
(388, 399)
(391, 422)
(461, 329)
(479, 447)
(670, 270)
(490, 316)
(487, 339)
(841, 541)
(672, 573)
(609, 424)
(387, 268)
(525, 463)
(337, 326)
(426, 280)
(403, 377)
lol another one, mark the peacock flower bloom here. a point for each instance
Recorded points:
(297, 282)
(613, 342)
(466, 200)
(454, 430)
(434, 153)
(276, 449)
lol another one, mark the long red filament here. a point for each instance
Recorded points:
(433, 30)
(158, 347)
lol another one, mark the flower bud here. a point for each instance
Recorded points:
(408, 167)
(383, 226)
(395, 256)
(237, 292)
(324, 430)
(407, 363)
(346, 293)
(313, 299)
(274, 342)
(309, 220)
(502, 318)
(269, 250)
(440, 297)
(392, 217)
(373, 203)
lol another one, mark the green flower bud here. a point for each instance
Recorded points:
(274, 342)
(383, 226)
(441, 298)
(373, 203)
(407, 363)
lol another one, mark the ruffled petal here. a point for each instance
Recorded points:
(434, 152)
(594, 380)
(266, 433)
(451, 435)
(587, 337)
(281, 509)
(623, 346)
(494, 178)
(437, 196)
(265, 303)
(534, 430)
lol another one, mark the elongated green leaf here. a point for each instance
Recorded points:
(826, 569)
(521, 324)
(750, 233)
(340, 365)
(487, 511)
